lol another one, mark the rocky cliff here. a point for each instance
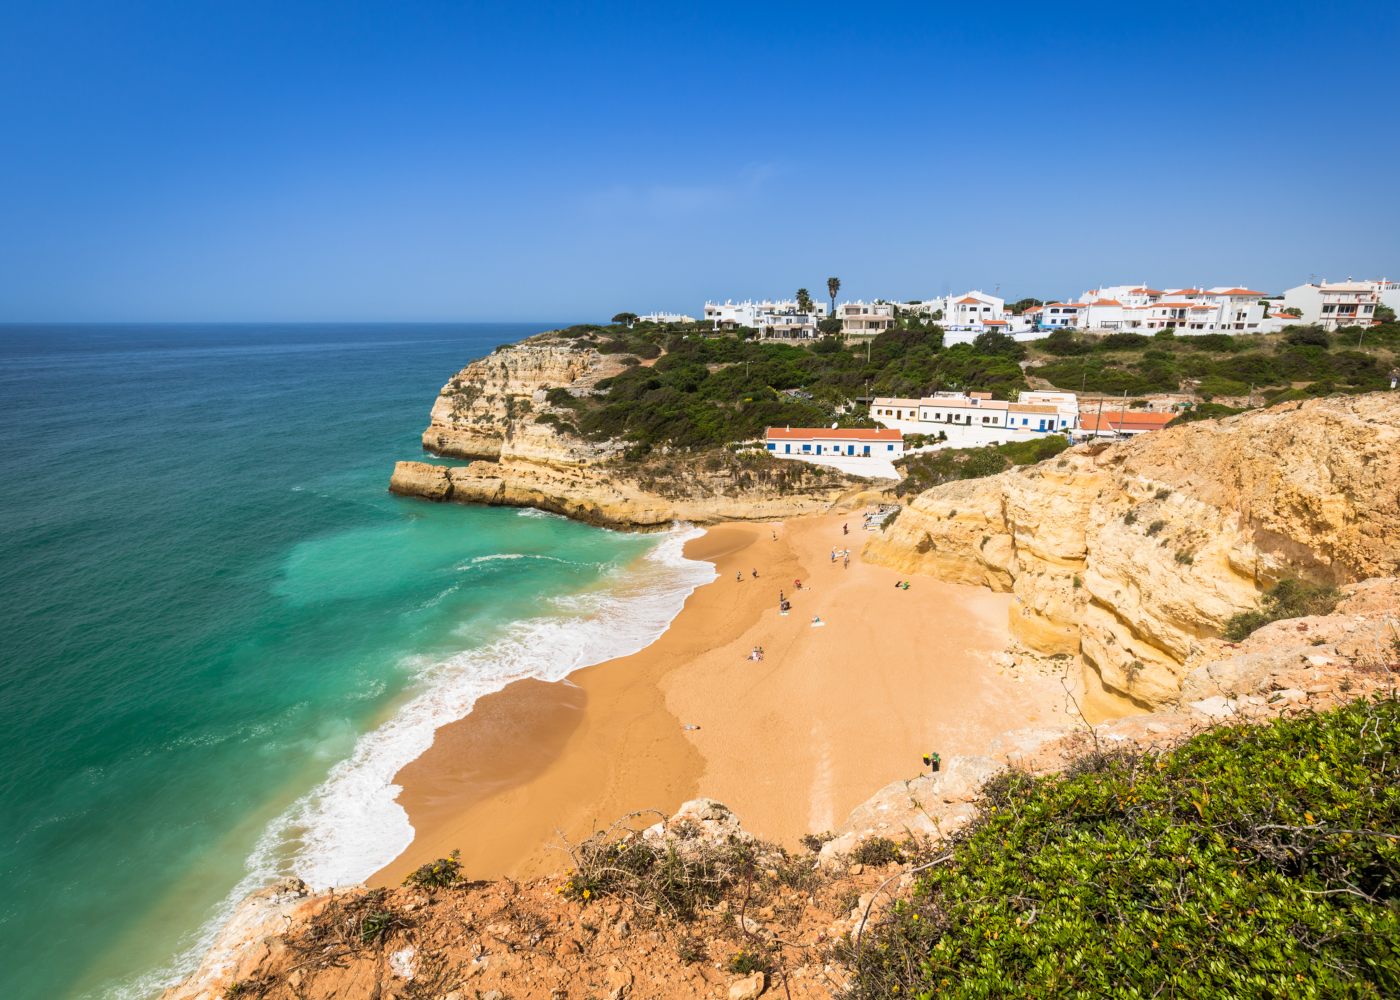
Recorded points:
(1130, 555)
(507, 413)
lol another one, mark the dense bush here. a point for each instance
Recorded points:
(929, 469)
(708, 391)
(1064, 343)
(1224, 365)
(1252, 861)
(1286, 599)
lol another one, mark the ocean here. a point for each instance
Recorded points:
(220, 636)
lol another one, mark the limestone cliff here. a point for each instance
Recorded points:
(498, 411)
(1130, 554)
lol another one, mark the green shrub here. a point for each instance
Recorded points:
(877, 851)
(437, 874)
(1252, 861)
(1286, 599)
(1155, 527)
(746, 962)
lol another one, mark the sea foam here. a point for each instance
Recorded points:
(350, 825)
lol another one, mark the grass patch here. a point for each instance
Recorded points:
(1285, 599)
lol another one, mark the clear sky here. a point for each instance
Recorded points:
(348, 160)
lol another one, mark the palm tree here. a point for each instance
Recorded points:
(833, 285)
(804, 300)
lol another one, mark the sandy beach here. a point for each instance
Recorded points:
(792, 743)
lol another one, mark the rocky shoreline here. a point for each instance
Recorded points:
(498, 413)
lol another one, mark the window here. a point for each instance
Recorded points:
(772, 446)
(806, 449)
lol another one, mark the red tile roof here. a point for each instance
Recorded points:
(1108, 302)
(1133, 420)
(968, 300)
(833, 433)
(994, 322)
(1241, 291)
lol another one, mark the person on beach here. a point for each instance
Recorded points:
(755, 573)
(845, 529)
(817, 621)
(833, 555)
(796, 584)
(846, 560)
(739, 576)
(782, 598)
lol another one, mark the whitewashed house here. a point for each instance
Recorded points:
(777, 318)
(862, 451)
(665, 317)
(969, 420)
(865, 319)
(1333, 304)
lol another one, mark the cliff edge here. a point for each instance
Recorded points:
(510, 414)
(1129, 555)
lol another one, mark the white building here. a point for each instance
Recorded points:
(1333, 304)
(862, 451)
(865, 319)
(1140, 308)
(973, 310)
(771, 318)
(969, 420)
(665, 317)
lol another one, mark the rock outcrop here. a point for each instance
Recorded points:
(1131, 554)
(509, 413)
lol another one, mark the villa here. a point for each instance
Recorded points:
(861, 319)
(773, 319)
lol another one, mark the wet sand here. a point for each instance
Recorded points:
(791, 743)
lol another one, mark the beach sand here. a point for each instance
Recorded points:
(791, 743)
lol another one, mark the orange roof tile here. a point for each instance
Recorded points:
(834, 433)
(967, 300)
(1108, 302)
(1241, 291)
(1115, 420)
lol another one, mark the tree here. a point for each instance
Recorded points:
(625, 318)
(993, 342)
(1021, 305)
(1385, 314)
(833, 285)
(804, 300)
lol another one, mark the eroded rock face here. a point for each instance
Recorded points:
(490, 408)
(1130, 554)
(498, 411)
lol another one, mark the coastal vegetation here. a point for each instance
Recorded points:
(1299, 363)
(931, 468)
(689, 387)
(1250, 861)
(1286, 599)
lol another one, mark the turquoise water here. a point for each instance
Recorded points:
(220, 635)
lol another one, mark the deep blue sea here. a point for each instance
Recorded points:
(220, 636)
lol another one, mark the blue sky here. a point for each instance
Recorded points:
(459, 161)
